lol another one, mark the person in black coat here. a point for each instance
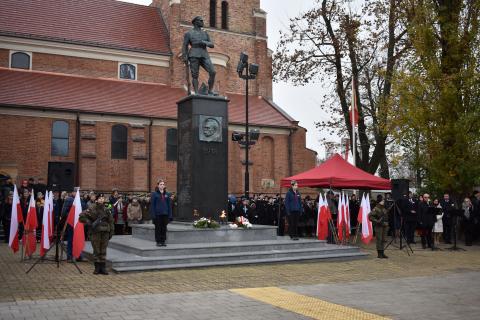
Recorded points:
(447, 219)
(426, 220)
(408, 206)
(244, 210)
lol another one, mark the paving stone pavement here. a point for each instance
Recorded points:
(48, 292)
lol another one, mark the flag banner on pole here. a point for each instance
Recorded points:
(50, 215)
(367, 230)
(347, 217)
(31, 224)
(340, 219)
(45, 238)
(16, 219)
(354, 114)
(77, 226)
(323, 216)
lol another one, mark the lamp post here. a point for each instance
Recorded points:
(248, 138)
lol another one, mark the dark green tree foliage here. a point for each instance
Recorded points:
(439, 92)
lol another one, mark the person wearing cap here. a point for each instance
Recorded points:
(379, 218)
(293, 209)
(101, 231)
(197, 54)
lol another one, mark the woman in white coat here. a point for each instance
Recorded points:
(438, 226)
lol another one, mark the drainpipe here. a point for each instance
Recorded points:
(290, 153)
(77, 152)
(149, 169)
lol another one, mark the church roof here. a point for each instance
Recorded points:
(101, 23)
(43, 90)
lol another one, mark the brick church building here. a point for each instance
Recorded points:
(88, 92)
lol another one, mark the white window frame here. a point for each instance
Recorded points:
(136, 71)
(19, 51)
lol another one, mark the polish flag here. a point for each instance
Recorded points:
(347, 216)
(50, 215)
(367, 230)
(78, 230)
(31, 224)
(323, 216)
(17, 218)
(340, 218)
(46, 221)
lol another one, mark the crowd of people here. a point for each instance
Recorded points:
(434, 221)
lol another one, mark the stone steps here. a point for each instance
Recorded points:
(147, 248)
(207, 254)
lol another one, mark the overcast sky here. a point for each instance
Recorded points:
(302, 103)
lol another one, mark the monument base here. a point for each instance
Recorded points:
(188, 247)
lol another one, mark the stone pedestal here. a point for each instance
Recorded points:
(202, 168)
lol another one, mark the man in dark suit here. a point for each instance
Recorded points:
(447, 207)
(409, 214)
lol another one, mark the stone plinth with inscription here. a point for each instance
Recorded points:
(202, 167)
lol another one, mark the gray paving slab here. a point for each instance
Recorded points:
(194, 305)
(452, 296)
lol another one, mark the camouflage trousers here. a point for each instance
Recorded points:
(380, 232)
(99, 244)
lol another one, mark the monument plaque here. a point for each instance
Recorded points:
(202, 168)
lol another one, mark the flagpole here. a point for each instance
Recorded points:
(354, 149)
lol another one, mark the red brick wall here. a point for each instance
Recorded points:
(4, 58)
(27, 145)
(94, 67)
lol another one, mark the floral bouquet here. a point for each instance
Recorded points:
(204, 223)
(241, 222)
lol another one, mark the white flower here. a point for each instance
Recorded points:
(233, 226)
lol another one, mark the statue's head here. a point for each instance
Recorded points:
(198, 21)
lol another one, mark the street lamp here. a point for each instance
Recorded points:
(247, 72)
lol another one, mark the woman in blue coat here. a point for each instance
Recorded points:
(293, 209)
(160, 212)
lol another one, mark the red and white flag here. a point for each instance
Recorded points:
(367, 230)
(78, 229)
(347, 216)
(323, 216)
(46, 221)
(340, 218)
(30, 232)
(50, 215)
(16, 219)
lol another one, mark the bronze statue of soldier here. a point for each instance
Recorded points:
(197, 54)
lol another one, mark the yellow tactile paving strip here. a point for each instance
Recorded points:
(305, 305)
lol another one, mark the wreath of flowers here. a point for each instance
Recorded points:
(204, 223)
(241, 222)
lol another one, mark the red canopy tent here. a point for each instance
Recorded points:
(339, 174)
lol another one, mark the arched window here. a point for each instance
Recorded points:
(224, 15)
(60, 138)
(128, 71)
(172, 144)
(213, 13)
(119, 141)
(20, 60)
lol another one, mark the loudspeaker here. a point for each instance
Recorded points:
(61, 176)
(400, 187)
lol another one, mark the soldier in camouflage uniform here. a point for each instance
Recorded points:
(102, 229)
(197, 55)
(379, 218)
